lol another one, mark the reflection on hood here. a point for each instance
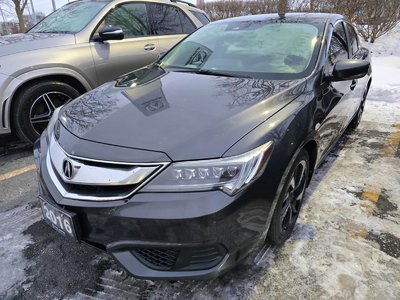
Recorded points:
(140, 76)
(89, 109)
(23, 42)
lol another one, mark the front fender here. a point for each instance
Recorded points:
(14, 82)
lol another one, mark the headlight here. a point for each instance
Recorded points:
(230, 174)
(52, 122)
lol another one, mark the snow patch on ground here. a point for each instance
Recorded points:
(12, 244)
(383, 101)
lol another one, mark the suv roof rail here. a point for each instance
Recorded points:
(181, 1)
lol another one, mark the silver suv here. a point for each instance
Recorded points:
(79, 47)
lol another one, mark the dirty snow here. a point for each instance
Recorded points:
(346, 244)
(12, 244)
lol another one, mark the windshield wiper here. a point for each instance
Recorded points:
(217, 73)
(207, 72)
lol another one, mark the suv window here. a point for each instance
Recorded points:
(131, 17)
(201, 17)
(70, 18)
(167, 19)
(353, 38)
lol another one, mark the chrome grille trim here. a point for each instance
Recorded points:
(139, 173)
(87, 174)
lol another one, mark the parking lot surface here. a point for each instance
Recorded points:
(346, 244)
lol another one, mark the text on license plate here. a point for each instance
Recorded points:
(59, 220)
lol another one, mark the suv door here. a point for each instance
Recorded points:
(170, 24)
(336, 96)
(138, 48)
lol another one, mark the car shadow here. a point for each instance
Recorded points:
(11, 145)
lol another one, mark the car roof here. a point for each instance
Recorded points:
(180, 3)
(302, 17)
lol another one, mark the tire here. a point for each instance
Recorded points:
(357, 118)
(34, 105)
(290, 200)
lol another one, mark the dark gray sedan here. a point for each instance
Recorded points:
(180, 168)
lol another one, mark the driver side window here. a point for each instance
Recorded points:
(131, 17)
(338, 49)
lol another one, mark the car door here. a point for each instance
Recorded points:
(356, 53)
(138, 48)
(336, 96)
(170, 24)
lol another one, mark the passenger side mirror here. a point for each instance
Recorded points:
(109, 33)
(349, 69)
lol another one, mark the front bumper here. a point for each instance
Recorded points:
(166, 235)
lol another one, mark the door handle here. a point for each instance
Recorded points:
(149, 47)
(353, 84)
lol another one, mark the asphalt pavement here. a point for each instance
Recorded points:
(345, 246)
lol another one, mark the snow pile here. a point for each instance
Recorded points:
(388, 44)
(383, 101)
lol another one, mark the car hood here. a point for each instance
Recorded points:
(185, 115)
(16, 43)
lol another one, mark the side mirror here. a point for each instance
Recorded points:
(350, 69)
(109, 33)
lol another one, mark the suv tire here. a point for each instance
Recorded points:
(34, 105)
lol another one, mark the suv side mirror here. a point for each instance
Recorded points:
(350, 69)
(109, 33)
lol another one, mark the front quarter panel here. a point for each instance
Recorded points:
(289, 129)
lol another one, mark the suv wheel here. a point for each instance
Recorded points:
(35, 105)
(290, 200)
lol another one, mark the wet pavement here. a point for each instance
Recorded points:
(10, 144)
(346, 244)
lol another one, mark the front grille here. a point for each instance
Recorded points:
(180, 259)
(157, 258)
(88, 190)
(94, 180)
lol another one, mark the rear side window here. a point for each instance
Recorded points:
(201, 17)
(353, 38)
(167, 19)
(131, 17)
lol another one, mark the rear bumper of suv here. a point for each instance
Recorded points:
(165, 235)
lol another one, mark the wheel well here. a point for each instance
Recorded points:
(75, 83)
(311, 147)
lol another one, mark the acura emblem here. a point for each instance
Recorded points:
(67, 169)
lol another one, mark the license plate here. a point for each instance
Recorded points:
(59, 219)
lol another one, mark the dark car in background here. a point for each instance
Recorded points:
(79, 47)
(180, 168)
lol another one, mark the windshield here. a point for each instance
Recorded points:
(70, 18)
(258, 49)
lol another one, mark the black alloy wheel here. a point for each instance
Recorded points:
(290, 200)
(293, 199)
(357, 118)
